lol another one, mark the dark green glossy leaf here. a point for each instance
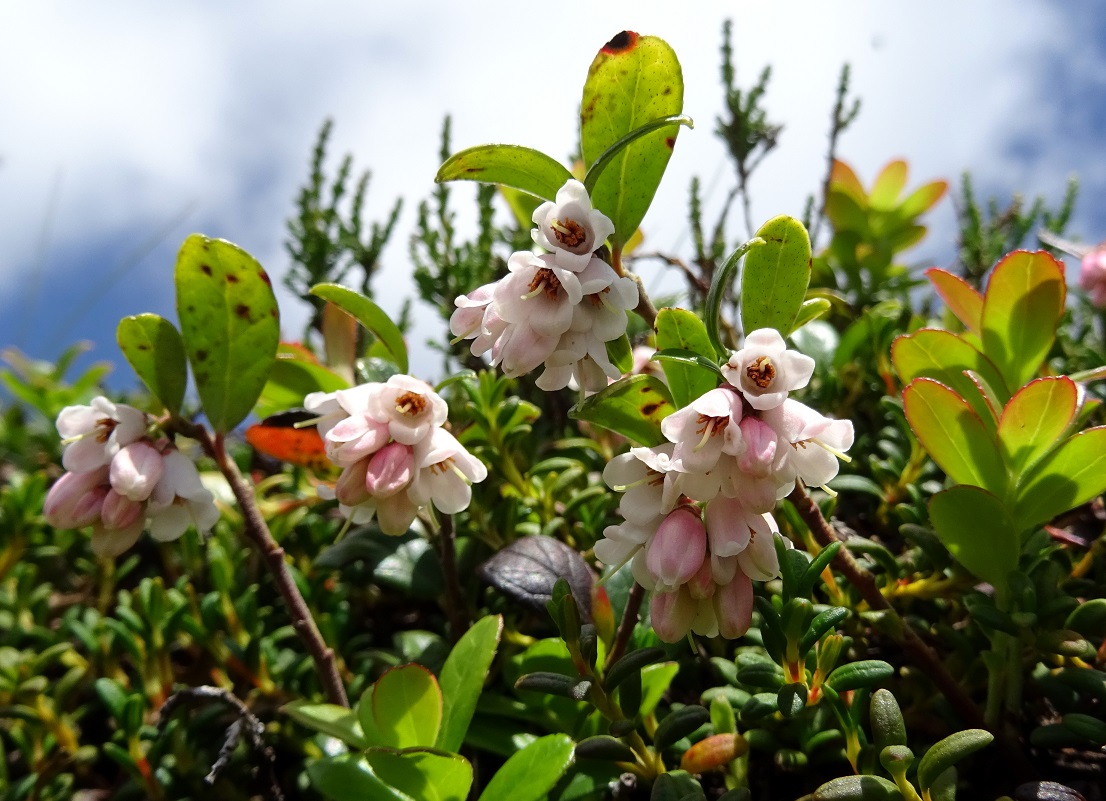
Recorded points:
(679, 724)
(462, 679)
(230, 326)
(633, 81)
(633, 406)
(369, 315)
(948, 752)
(681, 331)
(153, 347)
(717, 293)
(888, 727)
(530, 774)
(775, 276)
(854, 675)
(978, 531)
(515, 166)
(858, 788)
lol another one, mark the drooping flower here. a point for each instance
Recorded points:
(816, 444)
(76, 499)
(570, 228)
(136, 470)
(93, 434)
(446, 474)
(764, 370)
(678, 549)
(180, 500)
(704, 429)
(410, 407)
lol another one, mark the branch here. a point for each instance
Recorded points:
(645, 308)
(626, 626)
(456, 607)
(258, 532)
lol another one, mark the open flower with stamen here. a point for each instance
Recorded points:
(180, 500)
(705, 429)
(93, 434)
(446, 474)
(816, 444)
(410, 407)
(764, 370)
(569, 227)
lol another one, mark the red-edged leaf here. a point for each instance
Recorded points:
(954, 435)
(1072, 474)
(843, 178)
(1021, 308)
(961, 297)
(1035, 419)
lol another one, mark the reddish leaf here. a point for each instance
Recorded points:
(961, 297)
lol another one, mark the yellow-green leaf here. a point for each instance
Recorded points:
(679, 329)
(1035, 419)
(153, 347)
(518, 167)
(775, 276)
(633, 407)
(407, 707)
(230, 326)
(978, 531)
(961, 297)
(1072, 474)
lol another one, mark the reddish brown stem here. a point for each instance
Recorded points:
(258, 532)
(626, 627)
(456, 607)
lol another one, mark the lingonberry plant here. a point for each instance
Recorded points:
(863, 534)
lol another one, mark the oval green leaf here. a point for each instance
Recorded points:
(530, 774)
(369, 315)
(1035, 419)
(349, 778)
(858, 788)
(865, 673)
(679, 329)
(775, 276)
(407, 707)
(608, 155)
(945, 357)
(423, 774)
(337, 721)
(948, 752)
(633, 81)
(1021, 309)
(978, 531)
(462, 679)
(888, 186)
(961, 297)
(633, 407)
(153, 347)
(518, 167)
(294, 375)
(1072, 474)
(720, 282)
(230, 325)
(954, 435)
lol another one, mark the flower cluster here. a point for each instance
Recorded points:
(394, 454)
(1092, 275)
(120, 482)
(698, 526)
(559, 309)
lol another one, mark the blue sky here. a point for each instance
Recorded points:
(121, 118)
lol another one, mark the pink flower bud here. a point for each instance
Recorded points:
(390, 470)
(733, 606)
(702, 583)
(760, 447)
(350, 489)
(1092, 276)
(119, 511)
(672, 614)
(75, 499)
(136, 469)
(678, 549)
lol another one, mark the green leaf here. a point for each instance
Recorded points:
(462, 679)
(775, 276)
(349, 778)
(292, 378)
(676, 785)
(1021, 309)
(633, 406)
(945, 357)
(407, 707)
(1072, 474)
(508, 165)
(230, 326)
(720, 282)
(854, 675)
(681, 330)
(633, 80)
(810, 310)
(978, 531)
(153, 347)
(948, 752)
(888, 186)
(369, 315)
(337, 721)
(621, 354)
(954, 435)
(608, 156)
(423, 774)
(858, 788)
(1035, 419)
(655, 680)
(679, 724)
(962, 298)
(888, 727)
(530, 774)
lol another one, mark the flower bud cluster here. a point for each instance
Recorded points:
(558, 309)
(1092, 275)
(394, 454)
(698, 526)
(120, 482)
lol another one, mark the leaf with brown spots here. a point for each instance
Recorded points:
(633, 407)
(153, 347)
(634, 80)
(230, 324)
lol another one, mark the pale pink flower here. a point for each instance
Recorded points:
(537, 293)
(76, 499)
(390, 470)
(136, 469)
(446, 474)
(410, 407)
(817, 443)
(705, 429)
(570, 228)
(678, 549)
(765, 371)
(468, 319)
(1092, 275)
(673, 613)
(93, 434)
(180, 500)
(348, 430)
(733, 606)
